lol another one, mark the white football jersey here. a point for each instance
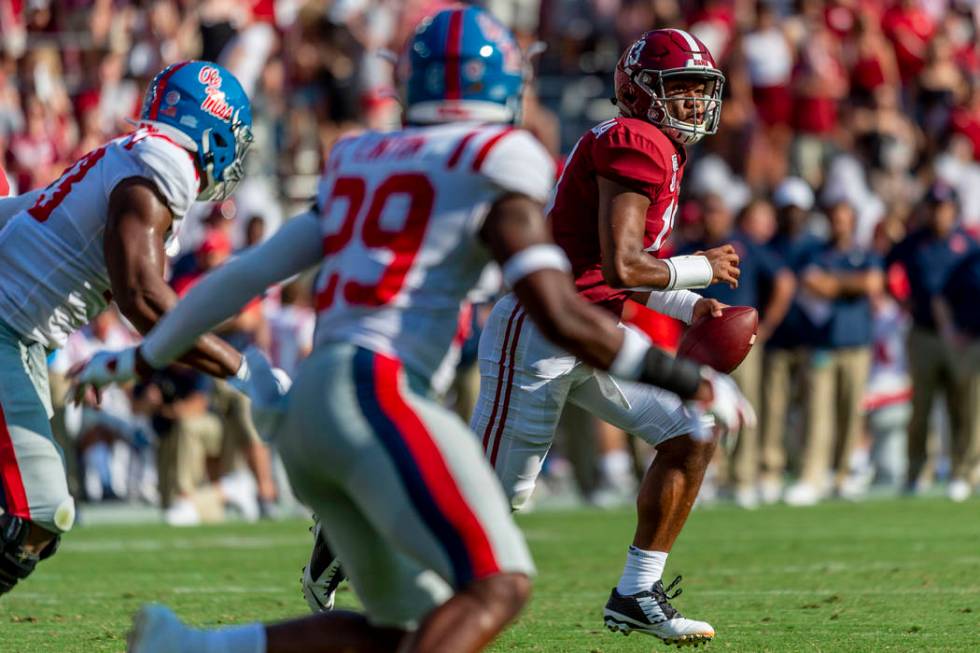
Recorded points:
(400, 215)
(54, 279)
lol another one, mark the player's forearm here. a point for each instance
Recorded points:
(636, 269)
(592, 335)
(208, 354)
(568, 321)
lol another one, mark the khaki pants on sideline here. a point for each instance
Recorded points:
(836, 381)
(932, 366)
(781, 370)
(235, 412)
(740, 467)
(966, 442)
(183, 454)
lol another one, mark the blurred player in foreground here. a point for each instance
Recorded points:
(612, 211)
(404, 224)
(101, 232)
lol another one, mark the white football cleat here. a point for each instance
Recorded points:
(322, 575)
(650, 612)
(770, 491)
(182, 513)
(959, 490)
(746, 498)
(803, 494)
(156, 629)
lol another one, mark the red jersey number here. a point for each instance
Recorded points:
(55, 194)
(403, 242)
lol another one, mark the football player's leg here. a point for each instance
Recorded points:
(441, 506)
(684, 448)
(523, 385)
(35, 505)
(414, 513)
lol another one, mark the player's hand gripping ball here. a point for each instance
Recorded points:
(721, 342)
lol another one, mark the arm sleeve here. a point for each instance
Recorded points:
(630, 159)
(678, 304)
(222, 294)
(518, 163)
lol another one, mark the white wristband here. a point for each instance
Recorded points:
(533, 259)
(688, 272)
(678, 304)
(628, 363)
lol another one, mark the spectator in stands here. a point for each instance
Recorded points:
(820, 82)
(787, 349)
(764, 280)
(927, 255)
(909, 27)
(836, 288)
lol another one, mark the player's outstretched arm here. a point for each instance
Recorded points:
(537, 270)
(226, 290)
(625, 262)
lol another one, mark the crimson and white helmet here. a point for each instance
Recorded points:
(657, 57)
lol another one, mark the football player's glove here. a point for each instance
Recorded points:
(102, 369)
(731, 410)
(266, 386)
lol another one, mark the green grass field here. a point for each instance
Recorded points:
(878, 576)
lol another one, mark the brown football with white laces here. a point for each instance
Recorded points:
(721, 342)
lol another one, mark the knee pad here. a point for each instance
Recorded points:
(15, 562)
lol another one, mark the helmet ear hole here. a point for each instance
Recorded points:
(219, 140)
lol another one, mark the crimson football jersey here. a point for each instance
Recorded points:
(633, 153)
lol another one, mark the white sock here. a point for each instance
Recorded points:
(236, 639)
(642, 570)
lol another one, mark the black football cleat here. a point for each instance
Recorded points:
(650, 612)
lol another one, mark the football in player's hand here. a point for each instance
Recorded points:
(721, 342)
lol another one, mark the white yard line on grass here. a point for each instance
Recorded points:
(221, 542)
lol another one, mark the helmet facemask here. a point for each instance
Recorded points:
(234, 172)
(685, 116)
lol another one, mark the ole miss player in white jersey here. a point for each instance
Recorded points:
(404, 225)
(98, 233)
(612, 211)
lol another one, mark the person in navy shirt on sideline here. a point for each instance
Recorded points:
(836, 288)
(958, 315)
(761, 270)
(787, 349)
(927, 256)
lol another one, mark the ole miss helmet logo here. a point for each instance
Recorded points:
(215, 102)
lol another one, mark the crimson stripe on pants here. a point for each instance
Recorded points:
(13, 483)
(419, 457)
(500, 380)
(510, 385)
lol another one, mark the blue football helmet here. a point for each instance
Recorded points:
(204, 102)
(465, 65)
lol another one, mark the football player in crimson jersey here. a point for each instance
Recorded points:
(611, 212)
(101, 231)
(404, 225)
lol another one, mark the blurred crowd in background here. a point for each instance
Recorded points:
(846, 171)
